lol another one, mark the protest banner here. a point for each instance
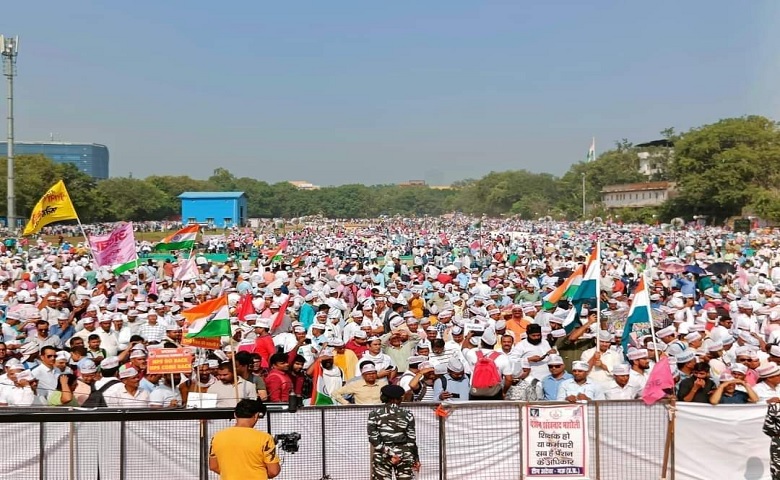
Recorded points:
(209, 343)
(556, 442)
(169, 360)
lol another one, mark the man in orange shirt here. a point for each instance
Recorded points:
(517, 323)
(241, 452)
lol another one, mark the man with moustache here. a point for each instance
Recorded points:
(534, 349)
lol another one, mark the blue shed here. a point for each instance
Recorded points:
(215, 209)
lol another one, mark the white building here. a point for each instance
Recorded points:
(636, 195)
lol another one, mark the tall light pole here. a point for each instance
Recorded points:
(583, 196)
(10, 49)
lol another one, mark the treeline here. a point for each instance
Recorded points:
(720, 169)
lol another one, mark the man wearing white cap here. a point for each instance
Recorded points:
(129, 395)
(620, 388)
(365, 391)
(524, 387)
(601, 359)
(768, 388)
(24, 392)
(579, 388)
(485, 350)
(453, 385)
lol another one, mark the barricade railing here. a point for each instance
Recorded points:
(471, 440)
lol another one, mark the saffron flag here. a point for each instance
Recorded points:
(319, 394)
(184, 239)
(54, 206)
(660, 380)
(638, 321)
(117, 247)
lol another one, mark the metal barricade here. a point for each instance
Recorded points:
(475, 440)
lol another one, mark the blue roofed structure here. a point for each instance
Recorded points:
(214, 209)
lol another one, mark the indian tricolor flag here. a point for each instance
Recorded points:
(184, 239)
(566, 290)
(274, 252)
(640, 320)
(587, 290)
(318, 395)
(591, 151)
(209, 319)
(119, 270)
(589, 287)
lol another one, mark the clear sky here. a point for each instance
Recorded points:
(371, 92)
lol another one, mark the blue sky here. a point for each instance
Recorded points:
(374, 92)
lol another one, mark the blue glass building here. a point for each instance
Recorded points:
(215, 209)
(90, 158)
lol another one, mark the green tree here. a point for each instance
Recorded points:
(133, 199)
(723, 167)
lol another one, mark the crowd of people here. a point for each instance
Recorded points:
(449, 309)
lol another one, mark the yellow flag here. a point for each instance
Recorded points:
(54, 206)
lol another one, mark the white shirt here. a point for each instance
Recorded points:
(638, 380)
(571, 387)
(502, 361)
(226, 392)
(602, 376)
(615, 392)
(47, 379)
(525, 349)
(19, 397)
(766, 392)
(381, 361)
(163, 395)
(121, 398)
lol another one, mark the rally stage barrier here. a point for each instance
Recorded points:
(608, 440)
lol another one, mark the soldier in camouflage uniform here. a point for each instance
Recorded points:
(772, 429)
(392, 434)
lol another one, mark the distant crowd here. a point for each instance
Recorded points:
(451, 309)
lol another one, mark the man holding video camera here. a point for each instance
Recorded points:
(241, 452)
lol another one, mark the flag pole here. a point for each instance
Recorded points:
(233, 361)
(598, 289)
(669, 436)
(649, 310)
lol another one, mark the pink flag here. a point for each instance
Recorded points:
(116, 248)
(660, 379)
(742, 279)
(186, 270)
(153, 287)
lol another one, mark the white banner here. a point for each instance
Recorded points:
(720, 442)
(556, 441)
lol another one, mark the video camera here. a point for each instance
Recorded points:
(288, 442)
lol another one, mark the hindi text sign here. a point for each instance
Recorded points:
(556, 442)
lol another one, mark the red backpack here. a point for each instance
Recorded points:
(486, 379)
